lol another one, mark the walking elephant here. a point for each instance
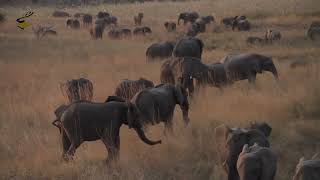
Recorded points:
(128, 88)
(77, 89)
(247, 66)
(219, 75)
(188, 47)
(257, 163)
(188, 17)
(184, 71)
(159, 51)
(157, 104)
(307, 169)
(87, 121)
(229, 143)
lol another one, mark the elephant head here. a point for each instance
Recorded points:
(268, 65)
(229, 143)
(145, 83)
(263, 127)
(182, 99)
(58, 112)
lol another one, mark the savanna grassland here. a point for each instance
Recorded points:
(31, 70)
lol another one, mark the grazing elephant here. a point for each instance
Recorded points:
(272, 35)
(159, 51)
(97, 31)
(254, 40)
(60, 14)
(307, 169)
(138, 19)
(157, 104)
(246, 66)
(229, 143)
(87, 121)
(188, 47)
(257, 163)
(142, 31)
(77, 89)
(188, 17)
(184, 70)
(128, 88)
(219, 75)
(170, 26)
(102, 14)
(263, 127)
(87, 20)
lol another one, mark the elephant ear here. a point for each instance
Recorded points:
(132, 115)
(59, 111)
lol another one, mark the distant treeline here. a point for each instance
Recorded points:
(76, 2)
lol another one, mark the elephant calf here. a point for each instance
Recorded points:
(77, 89)
(86, 121)
(257, 163)
(157, 104)
(307, 169)
(159, 51)
(230, 142)
(128, 88)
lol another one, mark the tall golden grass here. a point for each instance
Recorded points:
(31, 70)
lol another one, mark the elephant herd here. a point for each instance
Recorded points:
(244, 153)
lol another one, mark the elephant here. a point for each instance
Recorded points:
(77, 89)
(307, 169)
(138, 19)
(272, 35)
(188, 47)
(128, 88)
(170, 26)
(188, 17)
(69, 23)
(313, 33)
(102, 14)
(227, 21)
(88, 121)
(75, 24)
(184, 70)
(263, 127)
(247, 65)
(60, 14)
(207, 19)
(142, 30)
(257, 163)
(87, 20)
(219, 75)
(193, 30)
(229, 143)
(241, 23)
(159, 51)
(201, 24)
(97, 31)
(254, 40)
(157, 104)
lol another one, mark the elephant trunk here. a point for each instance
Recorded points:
(143, 137)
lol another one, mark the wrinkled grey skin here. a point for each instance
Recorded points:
(128, 88)
(60, 14)
(263, 127)
(229, 143)
(159, 51)
(157, 104)
(170, 26)
(188, 17)
(77, 89)
(188, 47)
(257, 163)
(219, 75)
(254, 40)
(87, 20)
(184, 71)
(86, 121)
(138, 19)
(144, 30)
(247, 66)
(307, 169)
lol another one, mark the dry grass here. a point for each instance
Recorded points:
(31, 70)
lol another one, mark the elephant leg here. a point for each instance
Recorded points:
(112, 143)
(252, 78)
(233, 174)
(65, 143)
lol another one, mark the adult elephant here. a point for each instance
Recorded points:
(188, 47)
(159, 51)
(87, 20)
(247, 66)
(128, 88)
(188, 17)
(87, 121)
(219, 75)
(184, 70)
(157, 104)
(308, 169)
(77, 89)
(229, 143)
(256, 162)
